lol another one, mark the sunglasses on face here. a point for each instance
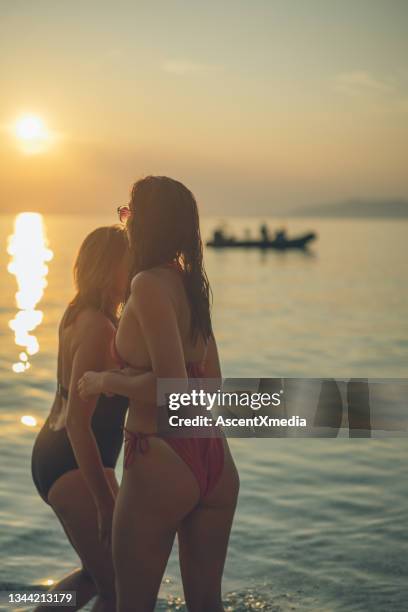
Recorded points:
(124, 213)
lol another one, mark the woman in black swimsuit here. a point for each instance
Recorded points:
(75, 453)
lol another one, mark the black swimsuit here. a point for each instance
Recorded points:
(53, 455)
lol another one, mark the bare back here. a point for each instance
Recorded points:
(71, 338)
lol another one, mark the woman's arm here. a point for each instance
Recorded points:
(142, 386)
(90, 354)
(157, 317)
(155, 312)
(127, 382)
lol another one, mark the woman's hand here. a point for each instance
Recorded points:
(91, 383)
(130, 371)
(95, 383)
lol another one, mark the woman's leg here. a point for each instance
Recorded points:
(79, 581)
(73, 504)
(156, 493)
(203, 542)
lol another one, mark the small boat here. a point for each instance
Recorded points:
(279, 242)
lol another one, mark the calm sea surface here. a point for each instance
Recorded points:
(321, 524)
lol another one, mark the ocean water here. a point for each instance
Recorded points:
(321, 524)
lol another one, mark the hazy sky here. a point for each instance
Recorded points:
(255, 105)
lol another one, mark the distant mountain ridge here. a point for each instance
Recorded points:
(357, 209)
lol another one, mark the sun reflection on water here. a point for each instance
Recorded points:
(28, 420)
(28, 248)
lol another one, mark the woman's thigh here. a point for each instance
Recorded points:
(156, 493)
(72, 502)
(203, 541)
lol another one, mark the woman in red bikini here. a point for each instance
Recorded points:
(183, 486)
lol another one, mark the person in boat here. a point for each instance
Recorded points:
(219, 236)
(264, 232)
(280, 235)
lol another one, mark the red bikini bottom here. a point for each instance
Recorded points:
(204, 456)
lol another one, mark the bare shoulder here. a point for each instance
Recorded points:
(93, 327)
(147, 287)
(147, 279)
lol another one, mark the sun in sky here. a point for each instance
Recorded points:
(32, 134)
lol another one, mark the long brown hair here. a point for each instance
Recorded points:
(97, 262)
(164, 227)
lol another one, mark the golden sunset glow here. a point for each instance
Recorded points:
(291, 105)
(32, 134)
(29, 253)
